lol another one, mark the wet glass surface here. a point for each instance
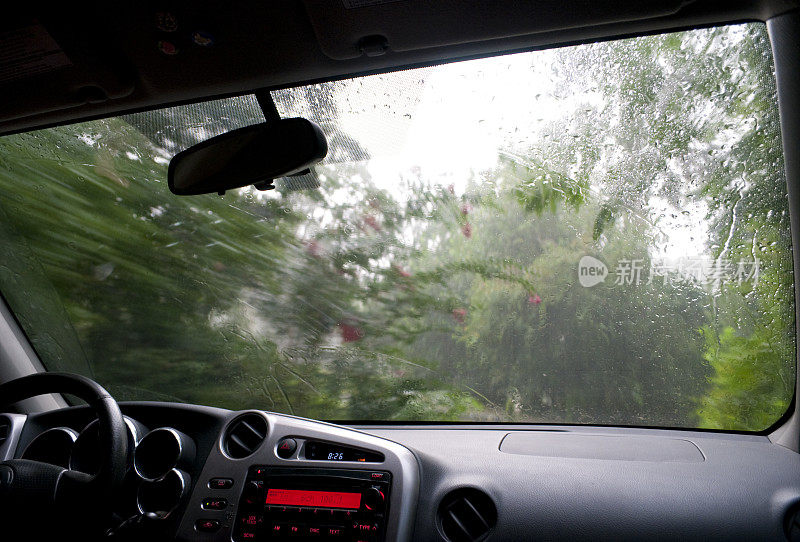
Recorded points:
(593, 234)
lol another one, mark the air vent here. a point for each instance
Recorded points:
(467, 515)
(5, 427)
(244, 435)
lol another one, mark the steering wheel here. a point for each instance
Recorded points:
(35, 488)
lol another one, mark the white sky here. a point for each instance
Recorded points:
(455, 119)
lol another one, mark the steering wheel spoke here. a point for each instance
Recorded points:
(30, 488)
(24, 482)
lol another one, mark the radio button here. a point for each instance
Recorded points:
(366, 527)
(207, 525)
(214, 503)
(343, 515)
(252, 520)
(312, 515)
(334, 532)
(286, 513)
(295, 530)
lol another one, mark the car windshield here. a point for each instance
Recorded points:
(596, 234)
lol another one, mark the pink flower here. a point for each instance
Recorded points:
(313, 248)
(466, 229)
(400, 271)
(460, 315)
(372, 222)
(465, 209)
(350, 333)
(534, 299)
(452, 189)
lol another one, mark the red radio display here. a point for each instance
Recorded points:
(321, 499)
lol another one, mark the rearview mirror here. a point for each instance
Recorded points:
(252, 155)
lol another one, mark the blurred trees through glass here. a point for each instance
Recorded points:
(403, 294)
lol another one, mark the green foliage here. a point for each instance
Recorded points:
(753, 379)
(544, 190)
(604, 219)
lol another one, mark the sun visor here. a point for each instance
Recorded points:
(351, 28)
(47, 66)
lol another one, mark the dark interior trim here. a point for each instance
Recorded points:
(302, 61)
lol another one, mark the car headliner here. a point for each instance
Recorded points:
(114, 62)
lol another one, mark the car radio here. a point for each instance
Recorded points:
(310, 503)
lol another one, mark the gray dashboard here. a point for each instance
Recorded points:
(547, 482)
(583, 483)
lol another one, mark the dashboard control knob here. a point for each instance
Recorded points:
(253, 492)
(286, 448)
(374, 499)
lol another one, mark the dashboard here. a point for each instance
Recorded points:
(210, 474)
(203, 473)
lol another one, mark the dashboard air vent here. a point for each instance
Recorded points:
(5, 428)
(467, 515)
(244, 435)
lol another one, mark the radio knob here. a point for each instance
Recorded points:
(252, 493)
(374, 499)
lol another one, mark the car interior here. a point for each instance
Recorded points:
(378, 270)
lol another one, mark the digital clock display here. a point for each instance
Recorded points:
(324, 451)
